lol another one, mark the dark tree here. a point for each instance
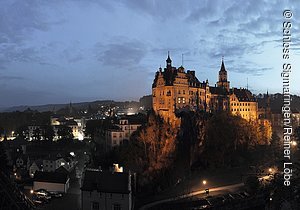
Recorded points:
(37, 133)
(65, 132)
(3, 158)
(48, 133)
(22, 131)
(297, 134)
(252, 184)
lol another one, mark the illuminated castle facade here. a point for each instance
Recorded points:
(175, 89)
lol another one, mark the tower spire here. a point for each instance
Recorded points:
(169, 61)
(222, 65)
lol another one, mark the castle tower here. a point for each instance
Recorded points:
(268, 113)
(223, 82)
(169, 61)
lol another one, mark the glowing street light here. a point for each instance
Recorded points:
(294, 143)
(270, 170)
(31, 191)
(204, 182)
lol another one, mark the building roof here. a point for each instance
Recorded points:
(134, 119)
(218, 90)
(243, 94)
(71, 123)
(62, 170)
(39, 163)
(115, 130)
(53, 177)
(105, 181)
(192, 79)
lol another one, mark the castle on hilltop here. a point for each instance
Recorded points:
(175, 89)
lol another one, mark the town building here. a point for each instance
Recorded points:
(77, 126)
(52, 163)
(106, 190)
(114, 137)
(122, 130)
(51, 181)
(36, 165)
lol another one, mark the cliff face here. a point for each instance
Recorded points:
(192, 136)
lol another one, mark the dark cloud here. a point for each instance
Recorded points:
(9, 78)
(249, 68)
(18, 18)
(121, 54)
(12, 53)
(157, 9)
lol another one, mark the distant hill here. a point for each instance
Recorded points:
(276, 101)
(81, 105)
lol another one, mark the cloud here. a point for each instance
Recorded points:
(121, 54)
(73, 53)
(13, 53)
(249, 68)
(18, 18)
(9, 78)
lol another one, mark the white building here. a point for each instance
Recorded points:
(36, 165)
(106, 190)
(51, 181)
(127, 125)
(35, 131)
(50, 164)
(114, 137)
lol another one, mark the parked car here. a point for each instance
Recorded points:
(43, 193)
(38, 200)
(56, 194)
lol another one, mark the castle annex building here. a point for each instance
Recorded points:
(175, 89)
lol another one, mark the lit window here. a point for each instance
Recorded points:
(179, 100)
(183, 100)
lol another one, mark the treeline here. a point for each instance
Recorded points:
(158, 151)
(12, 121)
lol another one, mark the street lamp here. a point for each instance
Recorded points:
(204, 182)
(270, 170)
(294, 143)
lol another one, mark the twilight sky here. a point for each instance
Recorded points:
(81, 50)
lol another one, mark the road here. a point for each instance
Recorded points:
(72, 199)
(232, 187)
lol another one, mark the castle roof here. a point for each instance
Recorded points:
(170, 74)
(218, 90)
(243, 94)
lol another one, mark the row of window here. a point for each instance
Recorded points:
(240, 110)
(240, 104)
(169, 93)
